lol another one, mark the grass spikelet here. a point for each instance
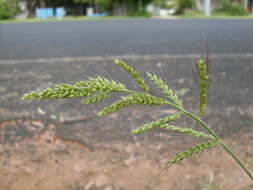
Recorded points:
(186, 131)
(165, 88)
(192, 151)
(57, 91)
(135, 74)
(97, 98)
(202, 75)
(132, 99)
(101, 84)
(157, 123)
(77, 90)
(146, 99)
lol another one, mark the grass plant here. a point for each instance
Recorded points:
(100, 88)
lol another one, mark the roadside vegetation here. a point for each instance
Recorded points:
(7, 10)
(226, 9)
(77, 9)
(68, 18)
(215, 15)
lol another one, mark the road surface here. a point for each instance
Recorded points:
(123, 37)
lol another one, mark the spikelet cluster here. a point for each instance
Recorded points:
(192, 151)
(101, 84)
(186, 131)
(135, 74)
(57, 91)
(77, 90)
(165, 88)
(133, 99)
(97, 97)
(202, 76)
(154, 124)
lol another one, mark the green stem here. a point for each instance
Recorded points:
(225, 147)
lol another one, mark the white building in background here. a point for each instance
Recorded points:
(158, 11)
(207, 6)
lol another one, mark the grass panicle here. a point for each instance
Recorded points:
(192, 151)
(100, 88)
(149, 126)
(165, 88)
(186, 131)
(133, 99)
(135, 74)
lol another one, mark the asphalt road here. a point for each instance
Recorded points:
(123, 37)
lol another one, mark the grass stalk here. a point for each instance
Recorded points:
(100, 88)
(224, 146)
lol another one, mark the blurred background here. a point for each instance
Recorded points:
(43, 9)
(62, 144)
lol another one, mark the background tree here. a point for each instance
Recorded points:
(7, 10)
(184, 4)
(117, 7)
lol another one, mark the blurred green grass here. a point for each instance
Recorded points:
(67, 18)
(215, 15)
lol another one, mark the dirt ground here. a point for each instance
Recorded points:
(48, 162)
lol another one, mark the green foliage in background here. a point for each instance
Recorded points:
(136, 7)
(225, 5)
(100, 88)
(7, 11)
(233, 9)
(8, 8)
(104, 5)
(236, 10)
(182, 5)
